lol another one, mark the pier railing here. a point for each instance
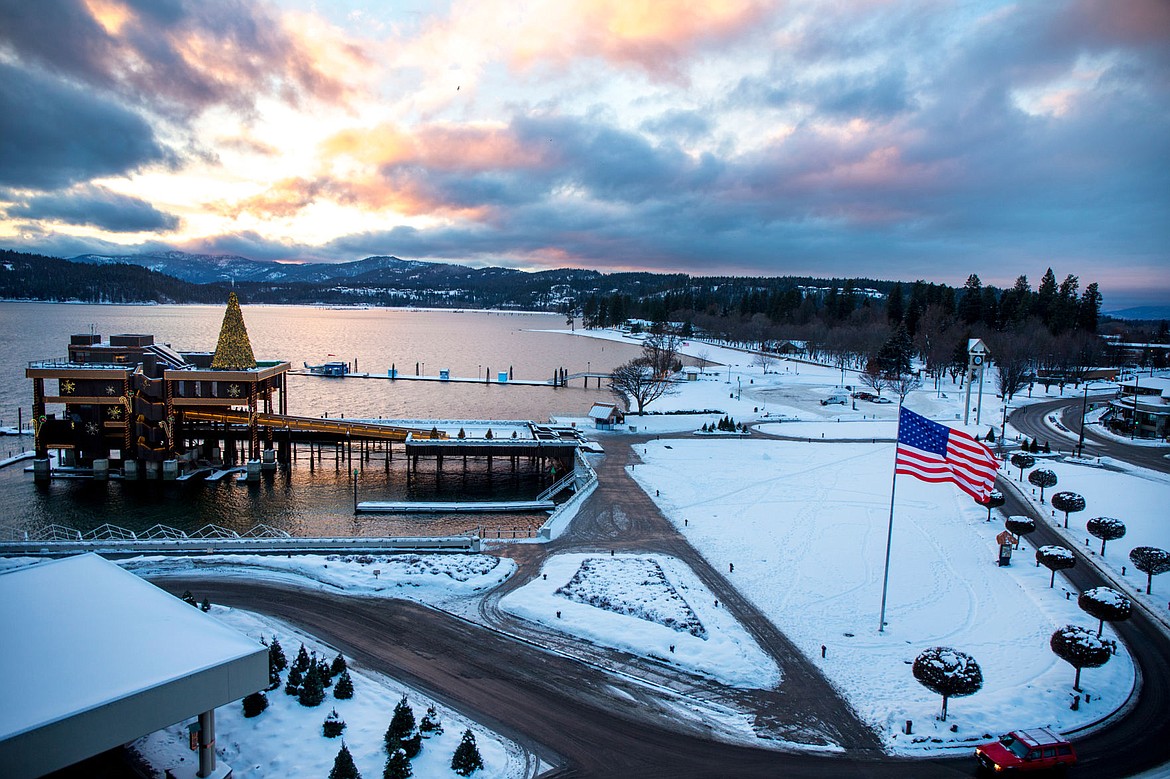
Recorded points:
(58, 540)
(586, 479)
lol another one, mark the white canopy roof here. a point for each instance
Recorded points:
(94, 656)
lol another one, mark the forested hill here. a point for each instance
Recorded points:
(176, 277)
(37, 277)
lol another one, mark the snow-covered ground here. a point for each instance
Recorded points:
(286, 739)
(435, 579)
(805, 526)
(650, 605)
(791, 390)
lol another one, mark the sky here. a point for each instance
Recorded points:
(891, 139)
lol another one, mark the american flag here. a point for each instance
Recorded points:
(936, 453)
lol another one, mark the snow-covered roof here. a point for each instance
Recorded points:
(602, 411)
(92, 652)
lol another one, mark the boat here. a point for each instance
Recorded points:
(336, 368)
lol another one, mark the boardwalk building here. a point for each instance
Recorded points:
(131, 403)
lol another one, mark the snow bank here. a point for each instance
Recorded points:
(427, 578)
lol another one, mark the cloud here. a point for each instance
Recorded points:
(96, 206)
(55, 134)
(183, 56)
(651, 38)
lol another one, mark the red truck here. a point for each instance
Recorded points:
(1035, 749)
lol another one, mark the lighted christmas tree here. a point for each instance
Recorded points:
(234, 350)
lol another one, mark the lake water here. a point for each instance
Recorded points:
(317, 500)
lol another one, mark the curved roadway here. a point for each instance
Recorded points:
(581, 709)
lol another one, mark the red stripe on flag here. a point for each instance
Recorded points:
(968, 464)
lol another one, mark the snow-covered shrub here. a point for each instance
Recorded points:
(1068, 502)
(1151, 561)
(948, 672)
(1105, 603)
(1042, 478)
(254, 704)
(1078, 647)
(1055, 558)
(1106, 528)
(431, 725)
(333, 725)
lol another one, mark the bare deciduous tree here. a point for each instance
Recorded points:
(637, 384)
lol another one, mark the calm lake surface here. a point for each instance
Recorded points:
(312, 499)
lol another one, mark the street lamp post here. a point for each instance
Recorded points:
(1137, 379)
(1084, 412)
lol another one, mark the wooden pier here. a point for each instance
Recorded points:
(453, 507)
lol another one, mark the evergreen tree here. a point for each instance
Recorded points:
(431, 724)
(1089, 309)
(324, 670)
(338, 665)
(312, 690)
(343, 765)
(343, 690)
(254, 704)
(333, 725)
(990, 306)
(412, 746)
(894, 356)
(205, 606)
(233, 352)
(895, 305)
(302, 661)
(273, 674)
(971, 304)
(397, 765)
(1046, 297)
(276, 653)
(295, 678)
(402, 723)
(466, 759)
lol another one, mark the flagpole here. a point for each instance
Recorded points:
(890, 527)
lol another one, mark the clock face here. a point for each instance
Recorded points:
(977, 359)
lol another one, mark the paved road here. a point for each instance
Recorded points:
(1029, 420)
(1141, 739)
(589, 722)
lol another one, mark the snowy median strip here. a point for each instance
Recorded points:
(649, 605)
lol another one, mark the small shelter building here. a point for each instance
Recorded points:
(606, 416)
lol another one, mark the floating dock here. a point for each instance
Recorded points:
(453, 507)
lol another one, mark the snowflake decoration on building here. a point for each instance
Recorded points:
(115, 412)
(234, 390)
(91, 428)
(111, 389)
(67, 387)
